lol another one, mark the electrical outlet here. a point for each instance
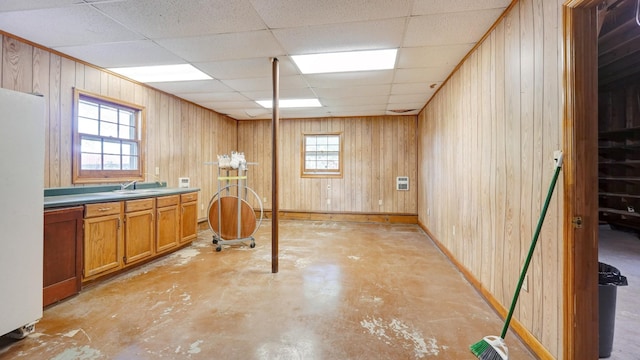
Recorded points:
(201, 206)
(454, 230)
(157, 170)
(328, 201)
(380, 202)
(328, 186)
(525, 283)
(264, 200)
(428, 211)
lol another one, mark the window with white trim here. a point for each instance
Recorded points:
(322, 155)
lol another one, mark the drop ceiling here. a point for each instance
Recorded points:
(234, 41)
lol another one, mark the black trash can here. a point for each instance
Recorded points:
(609, 278)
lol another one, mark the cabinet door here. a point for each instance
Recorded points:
(62, 260)
(189, 223)
(102, 245)
(168, 225)
(139, 234)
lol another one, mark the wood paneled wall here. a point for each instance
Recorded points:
(180, 136)
(486, 144)
(376, 151)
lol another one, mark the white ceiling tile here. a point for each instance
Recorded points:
(184, 87)
(426, 75)
(445, 56)
(232, 46)
(426, 7)
(246, 68)
(355, 100)
(226, 105)
(356, 108)
(290, 13)
(342, 92)
(298, 93)
(266, 83)
(409, 88)
(74, 25)
(353, 79)
(455, 28)
(14, 5)
(408, 98)
(122, 54)
(212, 96)
(368, 35)
(174, 18)
(229, 40)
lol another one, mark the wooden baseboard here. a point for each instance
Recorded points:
(520, 330)
(350, 217)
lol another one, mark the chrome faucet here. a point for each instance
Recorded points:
(126, 185)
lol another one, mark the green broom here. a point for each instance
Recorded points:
(493, 347)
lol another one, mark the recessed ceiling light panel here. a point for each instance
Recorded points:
(291, 103)
(346, 61)
(162, 73)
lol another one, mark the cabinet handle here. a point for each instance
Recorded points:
(104, 209)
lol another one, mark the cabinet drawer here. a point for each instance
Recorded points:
(138, 205)
(189, 197)
(101, 209)
(168, 200)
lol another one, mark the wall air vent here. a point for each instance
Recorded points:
(402, 183)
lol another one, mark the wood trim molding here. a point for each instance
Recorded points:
(516, 326)
(580, 319)
(344, 216)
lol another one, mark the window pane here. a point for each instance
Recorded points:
(111, 147)
(129, 148)
(311, 165)
(88, 126)
(90, 161)
(91, 146)
(127, 132)
(109, 138)
(333, 147)
(333, 140)
(112, 162)
(108, 113)
(87, 109)
(127, 118)
(108, 129)
(129, 162)
(311, 140)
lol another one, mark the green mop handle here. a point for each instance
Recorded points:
(533, 245)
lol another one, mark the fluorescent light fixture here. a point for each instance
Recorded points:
(162, 73)
(346, 61)
(291, 103)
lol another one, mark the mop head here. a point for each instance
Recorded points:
(490, 348)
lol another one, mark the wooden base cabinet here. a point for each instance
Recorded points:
(102, 239)
(189, 217)
(168, 222)
(62, 270)
(139, 227)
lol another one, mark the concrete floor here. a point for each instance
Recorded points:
(622, 250)
(344, 291)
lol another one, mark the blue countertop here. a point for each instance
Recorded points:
(67, 198)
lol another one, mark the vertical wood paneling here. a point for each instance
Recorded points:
(486, 143)
(55, 103)
(376, 151)
(172, 124)
(67, 83)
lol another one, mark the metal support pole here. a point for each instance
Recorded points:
(275, 126)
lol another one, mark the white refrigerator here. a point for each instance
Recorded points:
(22, 130)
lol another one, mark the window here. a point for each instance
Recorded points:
(322, 154)
(108, 140)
